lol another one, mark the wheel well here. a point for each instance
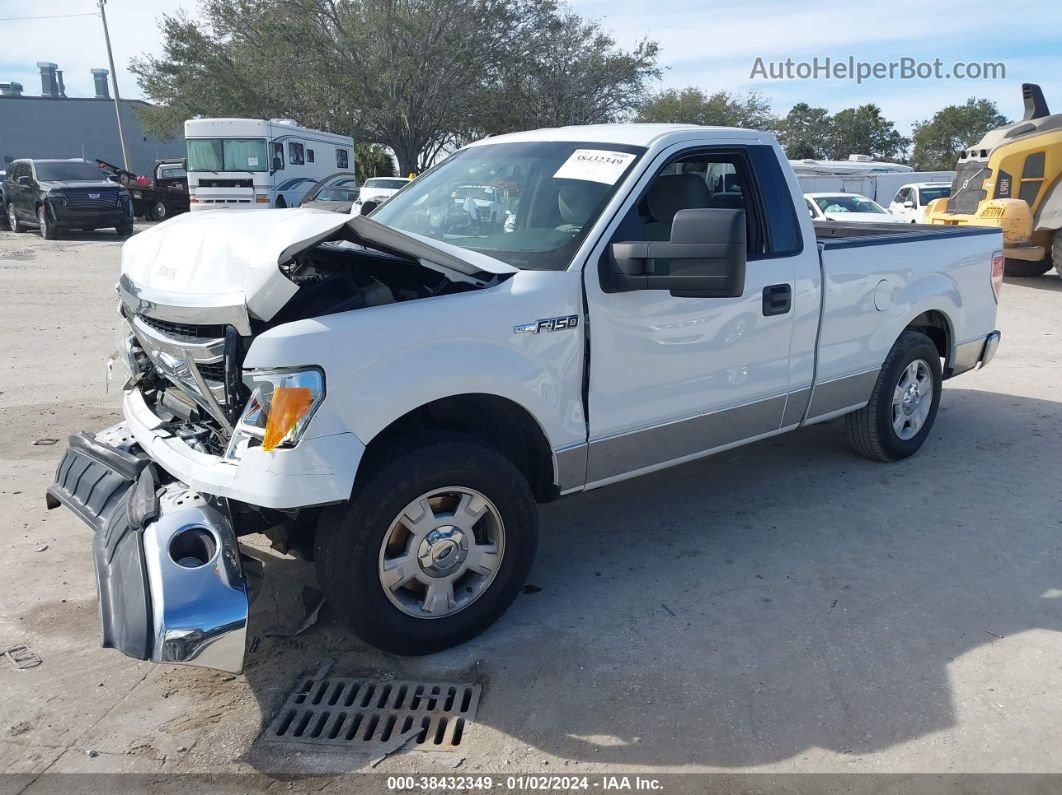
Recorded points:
(935, 326)
(504, 425)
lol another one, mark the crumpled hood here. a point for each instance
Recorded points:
(229, 258)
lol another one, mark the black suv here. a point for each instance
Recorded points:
(54, 195)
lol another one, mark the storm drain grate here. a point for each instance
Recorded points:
(360, 713)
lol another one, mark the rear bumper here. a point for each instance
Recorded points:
(976, 352)
(169, 574)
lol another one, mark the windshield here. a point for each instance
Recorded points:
(932, 194)
(227, 154)
(68, 172)
(848, 203)
(386, 184)
(553, 193)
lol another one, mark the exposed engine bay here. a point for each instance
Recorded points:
(191, 375)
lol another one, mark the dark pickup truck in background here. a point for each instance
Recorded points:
(159, 196)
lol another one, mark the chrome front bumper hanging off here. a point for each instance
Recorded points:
(171, 582)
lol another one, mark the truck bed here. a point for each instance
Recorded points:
(836, 234)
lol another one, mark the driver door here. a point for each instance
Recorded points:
(674, 377)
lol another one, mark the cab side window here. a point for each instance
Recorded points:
(296, 155)
(713, 179)
(278, 156)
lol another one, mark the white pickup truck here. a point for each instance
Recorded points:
(392, 395)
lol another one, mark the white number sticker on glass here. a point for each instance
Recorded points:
(595, 165)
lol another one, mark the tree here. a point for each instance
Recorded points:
(372, 160)
(938, 141)
(804, 132)
(865, 131)
(567, 70)
(416, 76)
(691, 105)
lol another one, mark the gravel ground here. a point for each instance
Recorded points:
(786, 607)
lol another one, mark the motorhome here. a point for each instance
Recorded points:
(240, 163)
(875, 179)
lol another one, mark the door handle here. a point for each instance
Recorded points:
(777, 299)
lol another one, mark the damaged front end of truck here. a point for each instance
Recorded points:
(210, 451)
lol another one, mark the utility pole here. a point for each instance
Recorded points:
(114, 84)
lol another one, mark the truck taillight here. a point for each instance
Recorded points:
(997, 273)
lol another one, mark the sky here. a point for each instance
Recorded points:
(711, 44)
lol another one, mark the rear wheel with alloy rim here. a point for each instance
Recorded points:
(896, 421)
(431, 549)
(159, 211)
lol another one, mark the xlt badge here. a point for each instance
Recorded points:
(547, 324)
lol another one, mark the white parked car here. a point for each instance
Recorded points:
(379, 190)
(847, 207)
(392, 396)
(911, 200)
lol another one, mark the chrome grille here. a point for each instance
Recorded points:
(183, 331)
(89, 199)
(195, 360)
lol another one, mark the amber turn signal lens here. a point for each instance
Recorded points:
(288, 406)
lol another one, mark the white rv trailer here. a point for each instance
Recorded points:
(239, 163)
(860, 174)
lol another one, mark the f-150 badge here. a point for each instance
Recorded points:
(547, 324)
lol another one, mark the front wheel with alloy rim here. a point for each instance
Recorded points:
(12, 220)
(896, 421)
(432, 548)
(48, 230)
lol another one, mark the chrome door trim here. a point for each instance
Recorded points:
(625, 454)
(796, 405)
(683, 460)
(570, 467)
(840, 395)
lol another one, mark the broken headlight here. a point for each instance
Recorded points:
(281, 406)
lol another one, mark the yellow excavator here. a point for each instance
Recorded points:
(1012, 179)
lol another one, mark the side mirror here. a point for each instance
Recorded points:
(705, 257)
(909, 204)
(369, 206)
(24, 181)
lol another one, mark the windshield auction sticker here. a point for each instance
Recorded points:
(595, 165)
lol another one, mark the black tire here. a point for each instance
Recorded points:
(160, 211)
(124, 230)
(16, 225)
(1023, 269)
(870, 430)
(281, 203)
(48, 230)
(350, 538)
